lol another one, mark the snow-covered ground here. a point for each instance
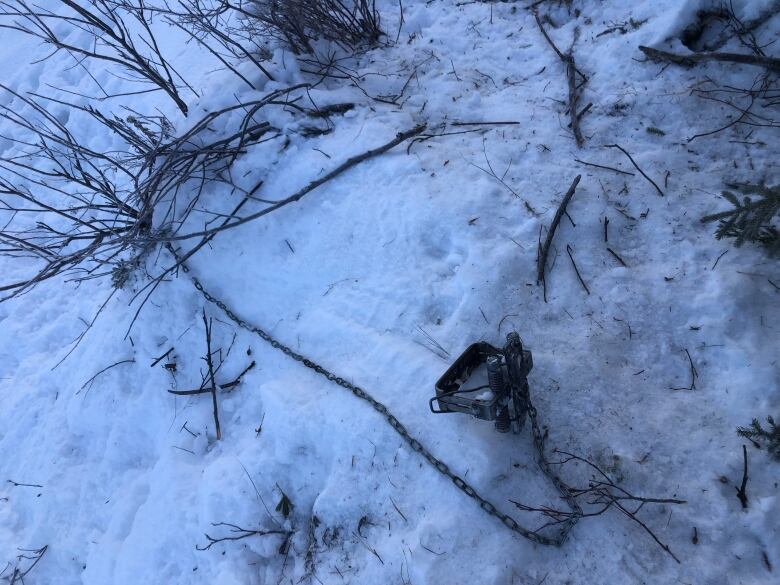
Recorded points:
(128, 478)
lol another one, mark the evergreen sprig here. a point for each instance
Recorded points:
(751, 219)
(769, 436)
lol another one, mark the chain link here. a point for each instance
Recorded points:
(566, 526)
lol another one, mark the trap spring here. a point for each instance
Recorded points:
(555, 540)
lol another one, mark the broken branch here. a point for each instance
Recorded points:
(636, 166)
(573, 263)
(571, 72)
(542, 260)
(349, 163)
(770, 63)
(742, 490)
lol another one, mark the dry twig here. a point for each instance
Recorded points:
(694, 373)
(742, 490)
(33, 556)
(545, 249)
(615, 255)
(571, 77)
(209, 383)
(349, 163)
(576, 270)
(636, 166)
(602, 494)
(238, 533)
(769, 63)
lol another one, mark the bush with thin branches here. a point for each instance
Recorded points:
(299, 23)
(86, 213)
(120, 34)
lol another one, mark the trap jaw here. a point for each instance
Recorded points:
(504, 399)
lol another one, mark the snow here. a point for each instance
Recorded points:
(350, 275)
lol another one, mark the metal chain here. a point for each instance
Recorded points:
(438, 464)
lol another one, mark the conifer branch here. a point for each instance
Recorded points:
(751, 219)
(759, 435)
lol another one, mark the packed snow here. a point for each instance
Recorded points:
(384, 275)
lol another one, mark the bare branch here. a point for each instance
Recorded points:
(601, 495)
(237, 533)
(541, 262)
(769, 63)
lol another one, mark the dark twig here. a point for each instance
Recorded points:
(504, 318)
(212, 381)
(636, 166)
(742, 490)
(622, 172)
(770, 63)
(19, 484)
(571, 72)
(25, 554)
(490, 171)
(694, 374)
(209, 382)
(237, 533)
(582, 112)
(618, 258)
(349, 163)
(484, 123)
(369, 548)
(573, 263)
(397, 509)
(161, 358)
(718, 259)
(601, 495)
(237, 381)
(545, 250)
(226, 386)
(433, 552)
(92, 379)
(257, 491)
(432, 344)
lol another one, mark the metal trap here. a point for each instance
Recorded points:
(502, 397)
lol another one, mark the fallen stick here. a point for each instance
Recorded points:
(347, 164)
(694, 373)
(771, 63)
(573, 263)
(616, 257)
(590, 164)
(542, 260)
(161, 358)
(636, 166)
(582, 112)
(226, 386)
(571, 71)
(210, 364)
(485, 123)
(742, 490)
(119, 363)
